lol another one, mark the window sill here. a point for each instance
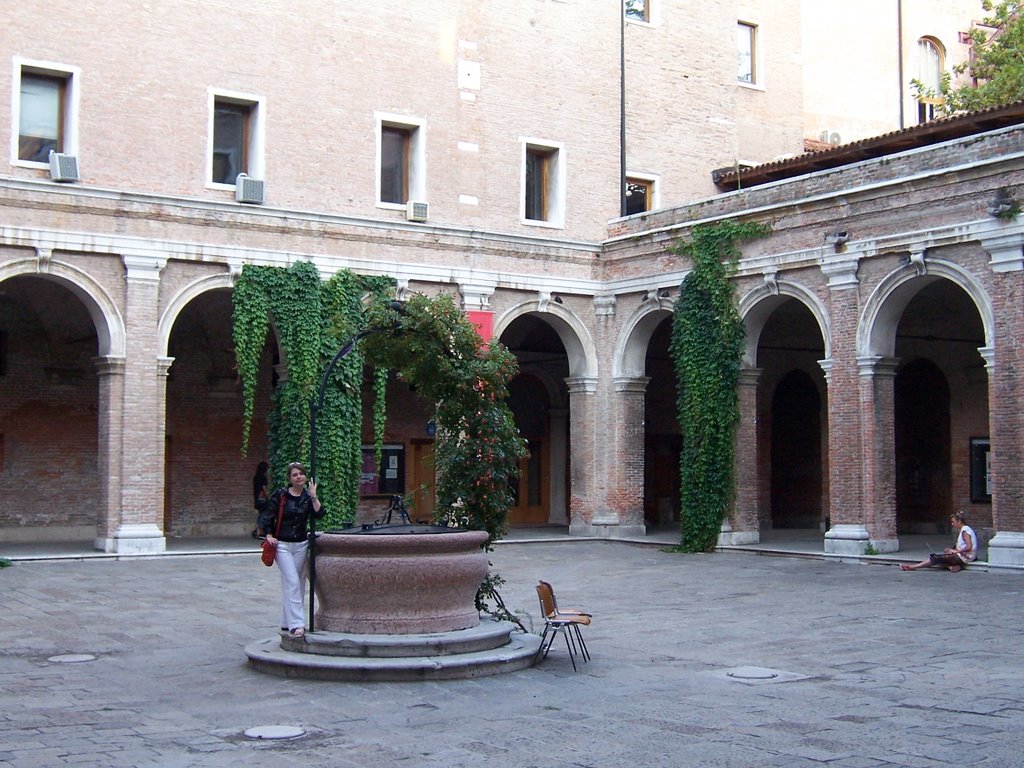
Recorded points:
(220, 186)
(391, 206)
(751, 86)
(29, 164)
(541, 223)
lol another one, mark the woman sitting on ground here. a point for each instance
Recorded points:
(954, 558)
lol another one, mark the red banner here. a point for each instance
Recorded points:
(484, 322)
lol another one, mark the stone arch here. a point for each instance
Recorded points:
(756, 308)
(106, 317)
(174, 308)
(578, 343)
(876, 331)
(631, 347)
(192, 291)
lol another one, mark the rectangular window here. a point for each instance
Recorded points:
(538, 173)
(231, 132)
(637, 10)
(394, 164)
(746, 52)
(543, 183)
(41, 120)
(235, 138)
(45, 111)
(981, 470)
(401, 160)
(639, 195)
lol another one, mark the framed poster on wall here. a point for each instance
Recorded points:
(981, 472)
(389, 478)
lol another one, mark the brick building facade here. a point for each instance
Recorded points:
(883, 313)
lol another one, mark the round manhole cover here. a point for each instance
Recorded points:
(752, 673)
(72, 658)
(275, 732)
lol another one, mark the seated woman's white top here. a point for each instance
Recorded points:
(967, 555)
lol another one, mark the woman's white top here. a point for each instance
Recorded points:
(961, 543)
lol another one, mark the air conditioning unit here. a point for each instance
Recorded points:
(248, 190)
(416, 211)
(63, 168)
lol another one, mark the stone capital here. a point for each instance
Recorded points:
(143, 268)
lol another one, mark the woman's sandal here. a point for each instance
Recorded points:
(298, 632)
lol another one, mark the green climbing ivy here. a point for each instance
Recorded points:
(706, 350)
(312, 319)
(429, 344)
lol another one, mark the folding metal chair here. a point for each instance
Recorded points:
(567, 622)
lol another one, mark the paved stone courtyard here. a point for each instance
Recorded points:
(873, 667)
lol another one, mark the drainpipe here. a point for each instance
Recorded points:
(899, 52)
(622, 108)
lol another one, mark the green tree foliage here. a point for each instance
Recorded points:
(430, 344)
(706, 350)
(996, 65)
(434, 347)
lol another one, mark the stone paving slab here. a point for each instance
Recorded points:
(878, 668)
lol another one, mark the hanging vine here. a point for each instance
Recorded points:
(430, 344)
(706, 350)
(312, 319)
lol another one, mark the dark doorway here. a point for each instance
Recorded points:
(796, 453)
(922, 435)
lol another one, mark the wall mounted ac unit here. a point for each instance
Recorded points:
(63, 168)
(831, 137)
(248, 190)
(416, 211)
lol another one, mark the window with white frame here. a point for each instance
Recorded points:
(640, 193)
(746, 53)
(543, 183)
(45, 114)
(637, 10)
(235, 137)
(401, 160)
(930, 62)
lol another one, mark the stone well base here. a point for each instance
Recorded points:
(490, 648)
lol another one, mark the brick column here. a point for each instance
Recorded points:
(142, 458)
(583, 479)
(558, 454)
(626, 433)
(847, 534)
(1006, 417)
(877, 375)
(110, 375)
(743, 523)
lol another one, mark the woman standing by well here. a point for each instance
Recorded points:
(300, 504)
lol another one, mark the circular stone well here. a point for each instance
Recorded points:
(399, 579)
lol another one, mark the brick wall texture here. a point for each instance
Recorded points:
(117, 382)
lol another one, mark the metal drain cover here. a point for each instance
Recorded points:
(752, 673)
(275, 732)
(72, 658)
(757, 675)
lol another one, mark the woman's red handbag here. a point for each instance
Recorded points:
(269, 553)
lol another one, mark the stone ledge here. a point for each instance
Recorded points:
(486, 636)
(268, 656)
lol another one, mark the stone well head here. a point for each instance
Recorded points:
(400, 579)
